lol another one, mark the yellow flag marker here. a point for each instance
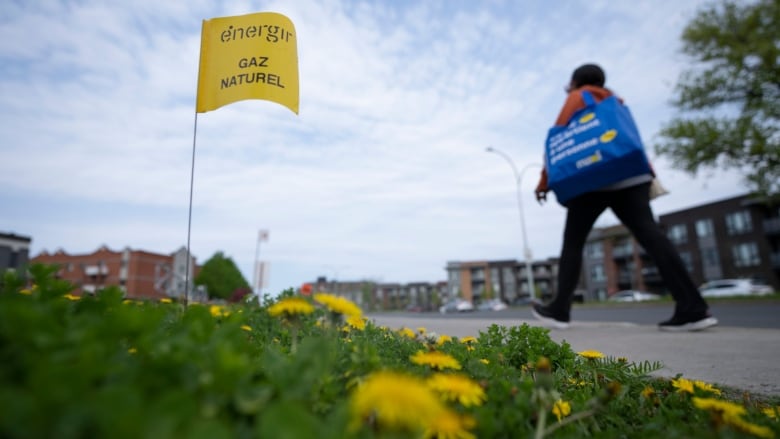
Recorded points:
(252, 56)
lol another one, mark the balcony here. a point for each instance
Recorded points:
(775, 259)
(622, 253)
(624, 278)
(772, 226)
(542, 274)
(651, 275)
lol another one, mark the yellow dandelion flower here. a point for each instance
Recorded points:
(166, 300)
(706, 387)
(132, 350)
(450, 425)
(246, 328)
(484, 361)
(724, 407)
(435, 359)
(591, 355)
(29, 291)
(356, 322)
(396, 401)
(338, 304)
(458, 388)
(648, 392)
(72, 297)
(468, 340)
(406, 332)
(218, 311)
(682, 385)
(731, 414)
(544, 365)
(561, 409)
(421, 329)
(771, 411)
(749, 428)
(443, 339)
(291, 306)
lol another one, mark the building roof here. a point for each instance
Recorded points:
(15, 237)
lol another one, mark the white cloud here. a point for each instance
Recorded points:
(383, 174)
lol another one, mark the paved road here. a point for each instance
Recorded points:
(736, 313)
(742, 357)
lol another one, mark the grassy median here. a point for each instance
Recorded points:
(303, 367)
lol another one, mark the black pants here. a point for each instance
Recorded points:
(632, 206)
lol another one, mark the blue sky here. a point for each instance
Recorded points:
(383, 175)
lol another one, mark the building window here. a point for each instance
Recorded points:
(746, 255)
(623, 248)
(710, 257)
(739, 222)
(595, 250)
(687, 260)
(597, 273)
(678, 234)
(704, 228)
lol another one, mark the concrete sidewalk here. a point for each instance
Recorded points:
(747, 359)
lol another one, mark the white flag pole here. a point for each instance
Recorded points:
(255, 286)
(189, 215)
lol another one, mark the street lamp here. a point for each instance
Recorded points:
(526, 249)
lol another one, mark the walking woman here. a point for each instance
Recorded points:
(629, 199)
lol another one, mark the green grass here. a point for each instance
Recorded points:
(104, 367)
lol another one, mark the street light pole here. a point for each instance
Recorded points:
(526, 250)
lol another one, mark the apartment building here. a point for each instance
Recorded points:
(737, 237)
(612, 261)
(503, 279)
(14, 252)
(734, 238)
(141, 274)
(374, 296)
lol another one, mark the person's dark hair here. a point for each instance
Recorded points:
(588, 74)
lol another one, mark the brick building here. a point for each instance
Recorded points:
(502, 279)
(737, 237)
(614, 261)
(141, 274)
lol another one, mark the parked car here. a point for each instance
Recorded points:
(492, 305)
(633, 296)
(413, 307)
(734, 287)
(456, 305)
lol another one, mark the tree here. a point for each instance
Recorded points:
(221, 277)
(730, 101)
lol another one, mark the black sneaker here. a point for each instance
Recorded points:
(543, 314)
(688, 323)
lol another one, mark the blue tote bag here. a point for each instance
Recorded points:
(599, 146)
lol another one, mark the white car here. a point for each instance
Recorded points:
(734, 287)
(633, 296)
(457, 305)
(492, 305)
